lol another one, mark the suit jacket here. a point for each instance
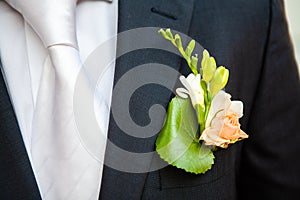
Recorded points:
(250, 38)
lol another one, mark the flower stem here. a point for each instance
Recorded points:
(201, 117)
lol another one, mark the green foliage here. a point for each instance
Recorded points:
(190, 48)
(178, 142)
(208, 66)
(192, 61)
(219, 80)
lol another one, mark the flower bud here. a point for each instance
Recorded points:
(208, 66)
(219, 80)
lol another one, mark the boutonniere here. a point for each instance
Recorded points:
(201, 118)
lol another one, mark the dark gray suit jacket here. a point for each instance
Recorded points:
(250, 38)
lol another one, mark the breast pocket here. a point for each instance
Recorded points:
(173, 183)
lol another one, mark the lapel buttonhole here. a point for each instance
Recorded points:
(163, 13)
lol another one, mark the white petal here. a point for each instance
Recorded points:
(237, 108)
(181, 77)
(185, 82)
(197, 79)
(219, 103)
(182, 92)
(195, 84)
(190, 78)
(197, 98)
(227, 102)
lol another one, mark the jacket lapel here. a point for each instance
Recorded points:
(175, 14)
(16, 176)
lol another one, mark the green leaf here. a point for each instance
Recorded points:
(198, 159)
(178, 142)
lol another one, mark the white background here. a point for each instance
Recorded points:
(293, 14)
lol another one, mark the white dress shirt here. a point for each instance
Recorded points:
(23, 55)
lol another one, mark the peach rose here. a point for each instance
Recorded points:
(223, 127)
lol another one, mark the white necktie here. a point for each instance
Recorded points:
(64, 168)
(54, 21)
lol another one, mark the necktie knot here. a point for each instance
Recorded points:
(53, 21)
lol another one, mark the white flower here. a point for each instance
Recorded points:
(192, 89)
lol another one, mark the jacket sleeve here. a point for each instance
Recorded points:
(270, 162)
